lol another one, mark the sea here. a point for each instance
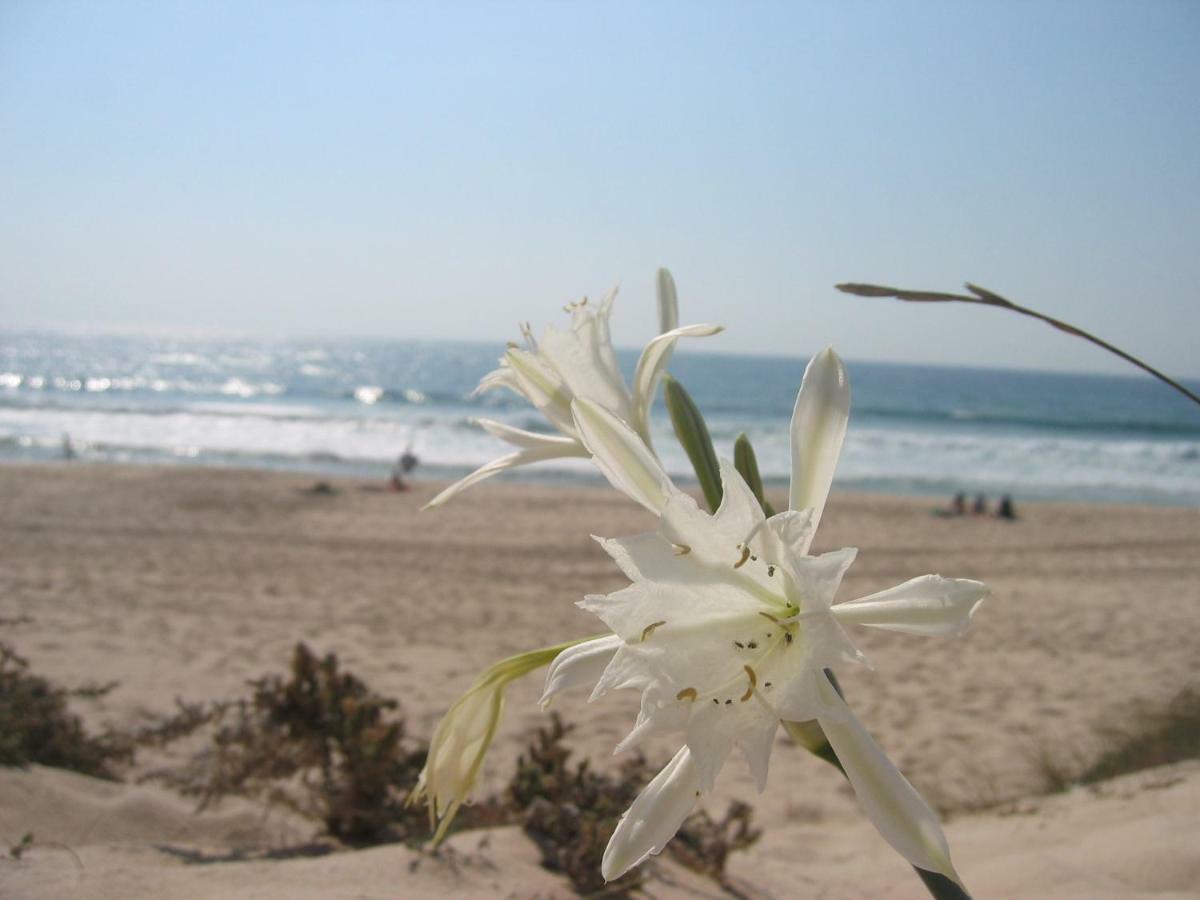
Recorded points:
(349, 407)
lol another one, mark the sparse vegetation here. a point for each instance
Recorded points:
(37, 727)
(1153, 740)
(319, 742)
(1168, 737)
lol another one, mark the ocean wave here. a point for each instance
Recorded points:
(1111, 424)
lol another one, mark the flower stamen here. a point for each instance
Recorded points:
(753, 684)
(682, 549)
(687, 694)
(745, 556)
(649, 629)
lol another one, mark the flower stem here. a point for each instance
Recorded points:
(984, 297)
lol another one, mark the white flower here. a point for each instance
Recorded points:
(578, 363)
(728, 625)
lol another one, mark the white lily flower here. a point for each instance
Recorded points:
(726, 630)
(729, 624)
(578, 363)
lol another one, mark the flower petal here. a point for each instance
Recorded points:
(512, 460)
(582, 664)
(653, 818)
(756, 743)
(929, 605)
(583, 358)
(893, 805)
(542, 386)
(529, 440)
(650, 367)
(622, 456)
(818, 428)
(503, 377)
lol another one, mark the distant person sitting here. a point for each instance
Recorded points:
(1006, 510)
(979, 507)
(957, 507)
(405, 463)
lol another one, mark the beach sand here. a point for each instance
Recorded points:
(185, 583)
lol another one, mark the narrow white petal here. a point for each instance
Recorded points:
(512, 460)
(817, 578)
(543, 386)
(653, 818)
(624, 670)
(893, 805)
(668, 302)
(583, 358)
(756, 743)
(530, 440)
(651, 365)
(579, 665)
(622, 456)
(818, 428)
(497, 378)
(929, 605)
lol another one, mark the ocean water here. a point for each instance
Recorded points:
(351, 406)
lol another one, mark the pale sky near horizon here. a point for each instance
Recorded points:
(443, 170)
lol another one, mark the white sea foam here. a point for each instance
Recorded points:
(442, 436)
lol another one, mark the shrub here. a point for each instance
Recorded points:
(37, 727)
(319, 742)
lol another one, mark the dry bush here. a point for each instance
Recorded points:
(319, 742)
(1144, 742)
(1170, 736)
(37, 727)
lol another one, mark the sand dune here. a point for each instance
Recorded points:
(185, 583)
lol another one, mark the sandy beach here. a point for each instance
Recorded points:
(184, 583)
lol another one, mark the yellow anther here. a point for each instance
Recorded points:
(649, 629)
(686, 694)
(753, 684)
(745, 556)
(767, 615)
(682, 549)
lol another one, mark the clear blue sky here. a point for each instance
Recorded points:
(445, 169)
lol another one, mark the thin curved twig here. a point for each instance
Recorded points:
(984, 297)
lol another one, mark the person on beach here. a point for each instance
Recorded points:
(957, 507)
(979, 507)
(405, 463)
(1006, 510)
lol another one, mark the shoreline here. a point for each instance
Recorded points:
(376, 472)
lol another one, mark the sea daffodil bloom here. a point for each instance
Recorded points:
(578, 363)
(729, 625)
(727, 629)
